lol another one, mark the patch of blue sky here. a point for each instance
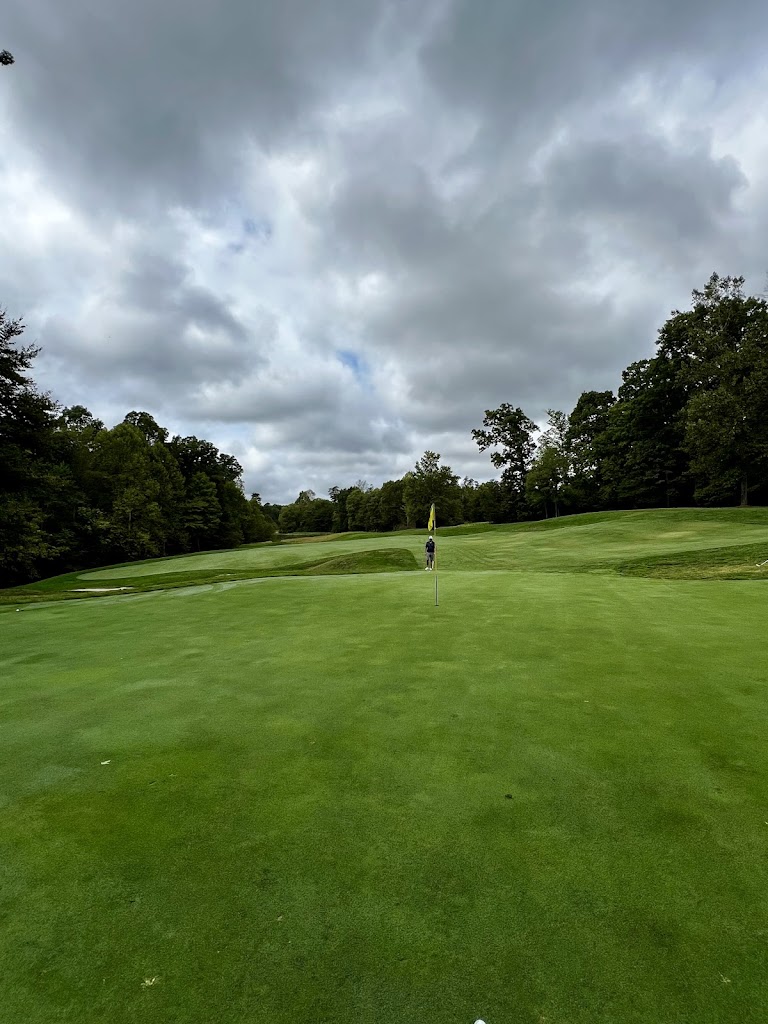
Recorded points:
(253, 229)
(257, 227)
(356, 363)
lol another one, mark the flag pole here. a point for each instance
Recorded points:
(432, 527)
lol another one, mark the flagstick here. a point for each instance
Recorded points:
(432, 527)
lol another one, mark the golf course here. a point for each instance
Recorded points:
(279, 784)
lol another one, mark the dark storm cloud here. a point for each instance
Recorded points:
(469, 290)
(494, 294)
(668, 196)
(145, 102)
(525, 63)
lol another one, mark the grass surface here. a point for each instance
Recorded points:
(327, 800)
(667, 544)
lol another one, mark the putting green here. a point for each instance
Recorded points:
(324, 799)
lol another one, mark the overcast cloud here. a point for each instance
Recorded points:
(328, 236)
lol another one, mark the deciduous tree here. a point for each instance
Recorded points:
(510, 434)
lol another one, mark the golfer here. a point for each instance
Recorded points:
(430, 552)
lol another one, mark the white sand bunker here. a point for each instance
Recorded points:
(98, 590)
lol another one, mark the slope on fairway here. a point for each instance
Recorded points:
(664, 543)
(595, 541)
(327, 800)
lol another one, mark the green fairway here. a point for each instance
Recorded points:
(318, 798)
(600, 540)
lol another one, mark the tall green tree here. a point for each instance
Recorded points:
(153, 433)
(127, 494)
(549, 475)
(289, 520)
(69, 502)
(259, 526)
(339, 496)
(587, 425)
(510, 433)
(392, 505)
(234, 513)
(28, 537)
(430, 483)
(194, 455)
(371, 510)
(168, 477)
(545, 481)
(724, 351)
(556, 433)
(643, 464)
(272, 511)
(73, 493)
(354, 506)
(317, 516)
(368, 509)
(201, 511)
(482, 503)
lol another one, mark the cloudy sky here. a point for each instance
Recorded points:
(328, 234)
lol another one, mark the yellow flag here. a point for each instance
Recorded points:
(431, 523)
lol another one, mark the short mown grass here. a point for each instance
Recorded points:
(737, 562)
(661, 543)
(133, 576)
(320, 798)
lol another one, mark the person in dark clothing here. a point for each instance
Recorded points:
(430, 551)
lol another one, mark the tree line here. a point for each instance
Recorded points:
(396, 505)
(687, 426)
(74, 493)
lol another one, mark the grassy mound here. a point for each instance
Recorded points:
(705, 544)
(133, 577)
(376, 560)
(739, 562)
(650, 519)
